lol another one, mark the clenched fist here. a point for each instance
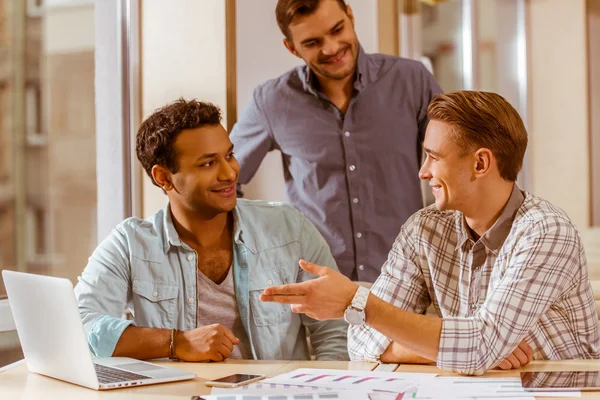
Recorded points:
(207, 343)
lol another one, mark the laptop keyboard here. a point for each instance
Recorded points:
(110, 375)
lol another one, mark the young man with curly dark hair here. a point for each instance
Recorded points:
(193, 272)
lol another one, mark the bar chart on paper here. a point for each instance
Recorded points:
(305, 396)
(358, 380)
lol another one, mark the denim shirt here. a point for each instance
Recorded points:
(144, 265)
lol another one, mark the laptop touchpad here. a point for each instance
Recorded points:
(139, 367)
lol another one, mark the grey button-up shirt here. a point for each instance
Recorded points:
(354, 175)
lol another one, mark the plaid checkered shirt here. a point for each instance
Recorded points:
(525, 278)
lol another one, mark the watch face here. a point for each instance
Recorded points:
(354, 317)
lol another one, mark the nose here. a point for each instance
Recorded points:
(227, 172)
(330, 47)
(424, 172)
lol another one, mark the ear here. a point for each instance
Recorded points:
(483, 161)
(162, 177)
(290, 46)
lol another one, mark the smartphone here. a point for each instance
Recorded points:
(233, 381)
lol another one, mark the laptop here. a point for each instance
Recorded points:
(54, 342)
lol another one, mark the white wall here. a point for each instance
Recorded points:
(183, 54)
(262, 56)
(559, 125)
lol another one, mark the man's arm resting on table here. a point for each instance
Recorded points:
(143, 343)
(419, 333)
(328, 297)
(395, 353)
(212, 342)
(420, 336)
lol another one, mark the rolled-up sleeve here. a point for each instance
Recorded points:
(328, 338)
(103, 293)
(544, 263)
(401, 284)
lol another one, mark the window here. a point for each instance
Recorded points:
(47, 141)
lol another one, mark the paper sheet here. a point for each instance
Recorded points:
(354, 380)
(345, 395)
(466, 387)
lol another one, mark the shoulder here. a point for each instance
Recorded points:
(281, 86)
(539, 217)
(430, 220)
(137, 233)
(402, 67)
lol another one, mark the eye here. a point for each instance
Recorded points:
(432, 157)
(230, 156)
(208, 164)
(338, 30)
(310, 44)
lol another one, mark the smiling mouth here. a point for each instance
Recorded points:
(228, 190)
(337, 57)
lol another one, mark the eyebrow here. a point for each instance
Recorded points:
(432, 152)
(340, 22)
(212, 155)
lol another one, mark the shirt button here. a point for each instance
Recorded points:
(347, 134)
(355, 200)
(155, 293)
(190, 300)
(269, 282)
(352, 168)
(190, 257)
(361, 267)
(359, 235)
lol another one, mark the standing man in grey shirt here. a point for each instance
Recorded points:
(349, 126)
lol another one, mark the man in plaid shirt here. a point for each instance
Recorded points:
(505, 270)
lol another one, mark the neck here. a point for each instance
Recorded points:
(201, 231)
(485, 213)
(336, 88)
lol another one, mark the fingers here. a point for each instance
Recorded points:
(313, 268)
(526, 348)
(295, 289)
(297, 308)
(215, 356)
(224, 351)
(520, 356)
(227, 343)
(513, 361)
(282, 299)
(229, 336)
(505, 364)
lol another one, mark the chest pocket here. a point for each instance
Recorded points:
(155, 303)
(265, 314)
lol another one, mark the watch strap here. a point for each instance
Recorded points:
(359, 301)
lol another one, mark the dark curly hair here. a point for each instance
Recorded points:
(155, 138)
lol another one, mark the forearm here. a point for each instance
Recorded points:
(143, 343)
(417, 333)
(396, 353)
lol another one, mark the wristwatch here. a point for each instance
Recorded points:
(355, 313)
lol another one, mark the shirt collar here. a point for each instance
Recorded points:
(171, 237)
(494, 237)
(309, 80)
